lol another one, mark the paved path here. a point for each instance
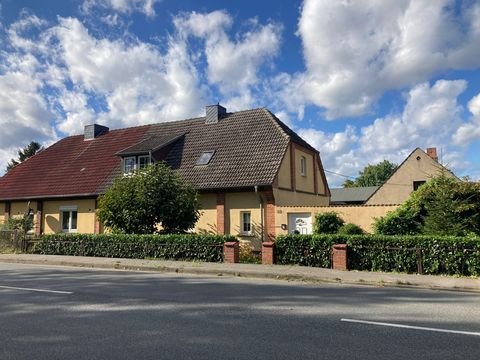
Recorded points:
(296, 273)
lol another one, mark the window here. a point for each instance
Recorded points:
(129, 164)
(143, 161)
(417, 184)
(303, 166)
(246, 222)
(68, 218)
(205, 157)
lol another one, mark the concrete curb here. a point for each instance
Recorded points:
(280, 272)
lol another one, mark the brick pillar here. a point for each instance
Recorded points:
(221, 213)
(269, 209)
(231, 252)
(268, 253)
(340, 258)
(37, 220)
(7, 211)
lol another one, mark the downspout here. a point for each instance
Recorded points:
(261, 212)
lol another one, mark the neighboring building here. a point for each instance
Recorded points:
(250, 170)
(351, 195)
(415, 170)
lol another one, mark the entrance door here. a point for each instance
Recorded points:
(300, 223)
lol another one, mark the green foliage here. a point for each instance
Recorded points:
(437, 254)
(373, 175)
(138, 203)
(24, 224)
(177, 246)
(247, 254)
(23, 154)
(350, 229)
(327, 223)
(306, 250)
(442, 206)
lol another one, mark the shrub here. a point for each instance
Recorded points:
(403, 221)
(247, 254)
(327, 223)
(350, 229)
(177, 247)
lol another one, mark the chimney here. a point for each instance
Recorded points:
(432, 152)
(93, 131)
(213, 113)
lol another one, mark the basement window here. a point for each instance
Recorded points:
(205, 157)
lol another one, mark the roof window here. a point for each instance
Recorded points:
(205, 157)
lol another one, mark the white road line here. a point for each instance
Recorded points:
(411, 327)
(37, 290)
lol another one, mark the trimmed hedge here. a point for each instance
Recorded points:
(176, 247)
(437, 254)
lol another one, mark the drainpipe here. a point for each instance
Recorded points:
(261, 212)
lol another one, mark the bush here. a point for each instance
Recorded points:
(403, 221)
(177, 247)
(350, 229)
(438, 254)
(327, 223)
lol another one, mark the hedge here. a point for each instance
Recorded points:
(176, 247)
(437, 254)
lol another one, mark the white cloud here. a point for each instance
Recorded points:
(470, 131)
(356, 50)
(146, 7)
(233, 65)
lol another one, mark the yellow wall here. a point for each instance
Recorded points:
(235, 203)
(85, 220)
(292, 198)
(208, 214)
(284, 176)
(2, 212)
(19, 208)
(417, 167)
(363, 216)
(304, 183)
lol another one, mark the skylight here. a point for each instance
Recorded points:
(205, 157)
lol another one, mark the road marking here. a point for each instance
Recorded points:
(411, 327)
(37, 290)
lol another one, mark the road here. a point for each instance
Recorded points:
(70, 313)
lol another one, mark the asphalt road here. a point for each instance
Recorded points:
(70, 313)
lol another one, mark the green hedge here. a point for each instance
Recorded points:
(439, 254)
(177, 247)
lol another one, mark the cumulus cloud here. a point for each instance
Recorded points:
(233, 65)
(470, 131)
(356, 50)
(146, 7)
(430, 117)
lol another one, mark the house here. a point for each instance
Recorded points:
(254, 175)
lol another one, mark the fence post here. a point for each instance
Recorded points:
(231, 252)
(340, 257)
(268, 253)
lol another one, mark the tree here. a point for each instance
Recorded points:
(442, 206)
(372, 175)
(327, 223)
(23, 154)
(139, 202)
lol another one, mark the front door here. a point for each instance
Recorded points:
(300, 223)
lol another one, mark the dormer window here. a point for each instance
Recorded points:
(132, 163)
(205, 157)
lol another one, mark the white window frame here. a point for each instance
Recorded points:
(70, 210)
(303, 166)
(134, 164)
(243, 229)
(139, 166)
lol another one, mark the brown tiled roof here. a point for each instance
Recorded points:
(249, 147)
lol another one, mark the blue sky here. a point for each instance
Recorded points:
(362, 81)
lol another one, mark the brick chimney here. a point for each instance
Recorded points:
(93, 131)
(213, 113)
(432, 152)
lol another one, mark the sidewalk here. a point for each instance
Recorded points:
(282, 272)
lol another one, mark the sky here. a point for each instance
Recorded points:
(361, 81)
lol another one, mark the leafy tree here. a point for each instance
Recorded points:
(156, 195)
(442, 206)
(327, 223)
(372, 175)
(23, 154)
